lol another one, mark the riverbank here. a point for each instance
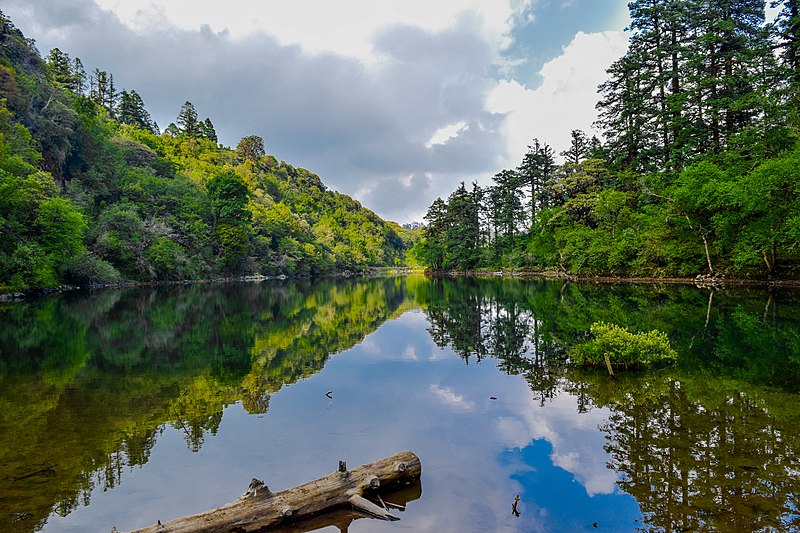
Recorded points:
(712, 282)
(19, 296)
(698, 281)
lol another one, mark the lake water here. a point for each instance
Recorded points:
(123, 407)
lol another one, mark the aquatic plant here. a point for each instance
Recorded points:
(625, 349)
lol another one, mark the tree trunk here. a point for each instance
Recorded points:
(260, 510)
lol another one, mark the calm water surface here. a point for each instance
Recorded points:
(123, 407)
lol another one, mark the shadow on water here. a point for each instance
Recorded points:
(90, 382)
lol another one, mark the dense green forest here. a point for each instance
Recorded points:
(698, 172)
(91, 192)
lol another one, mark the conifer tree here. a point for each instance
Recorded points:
(535, 171)
(78, 82)
(187, 120)
(60, 67)
(102, 91)
(578, 147)
(462, 229)
(131, 110)
(207, 131)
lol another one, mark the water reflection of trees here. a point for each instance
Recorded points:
(89, 382)
(700, 454)
(498, 319)
(711, 445)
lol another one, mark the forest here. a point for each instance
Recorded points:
(697, 172)
(92, 192)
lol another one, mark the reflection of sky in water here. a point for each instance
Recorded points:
(394, 391)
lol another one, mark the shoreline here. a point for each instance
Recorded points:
(21, 296)
(714, 282)
(709, 282)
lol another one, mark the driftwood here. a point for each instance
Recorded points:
(260, 510)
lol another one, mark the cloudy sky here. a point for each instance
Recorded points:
(392, 102)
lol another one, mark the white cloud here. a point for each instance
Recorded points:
(444, 134)
(394, 102)
(321, 26)
(565, 100)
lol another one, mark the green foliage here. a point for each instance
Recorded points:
(698, 173)
(624, 349)
(90, 192)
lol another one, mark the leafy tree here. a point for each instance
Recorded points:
(229, 197)
(251, 148)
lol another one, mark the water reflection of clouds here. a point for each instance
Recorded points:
(577, 444)
(384, 401)
(455, 402)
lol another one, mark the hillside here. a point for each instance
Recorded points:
(92, 192)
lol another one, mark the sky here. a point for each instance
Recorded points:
(393, 102)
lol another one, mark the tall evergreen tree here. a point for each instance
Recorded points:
(506, 207)
(462, 229)
(787, 26)
(102, 91)
(187, 120)
(78, 83)
(687, 82)
(131, 110)
(578, 147)
(535, 171)
(60, 67)
(433, 244)
(207, 131)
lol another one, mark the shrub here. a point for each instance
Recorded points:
(624, 349)
(87, 269)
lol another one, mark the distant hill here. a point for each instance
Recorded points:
(92, 192)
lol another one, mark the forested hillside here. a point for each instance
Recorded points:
(92, 192)
(698, 171)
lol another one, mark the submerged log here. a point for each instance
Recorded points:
(261, 510)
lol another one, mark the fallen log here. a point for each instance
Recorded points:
(260, 510)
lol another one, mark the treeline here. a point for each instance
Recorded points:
(697, 172)
(92, 192)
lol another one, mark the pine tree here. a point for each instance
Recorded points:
(207, 131)
(101, 90)
(187, 120)
(131, 110)
(690, 80)
(462, 229)
(578, 147)
(60, 67)
(78, 82)
(787, 29)
(535, 171)
(506, 207)
(432, 248)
